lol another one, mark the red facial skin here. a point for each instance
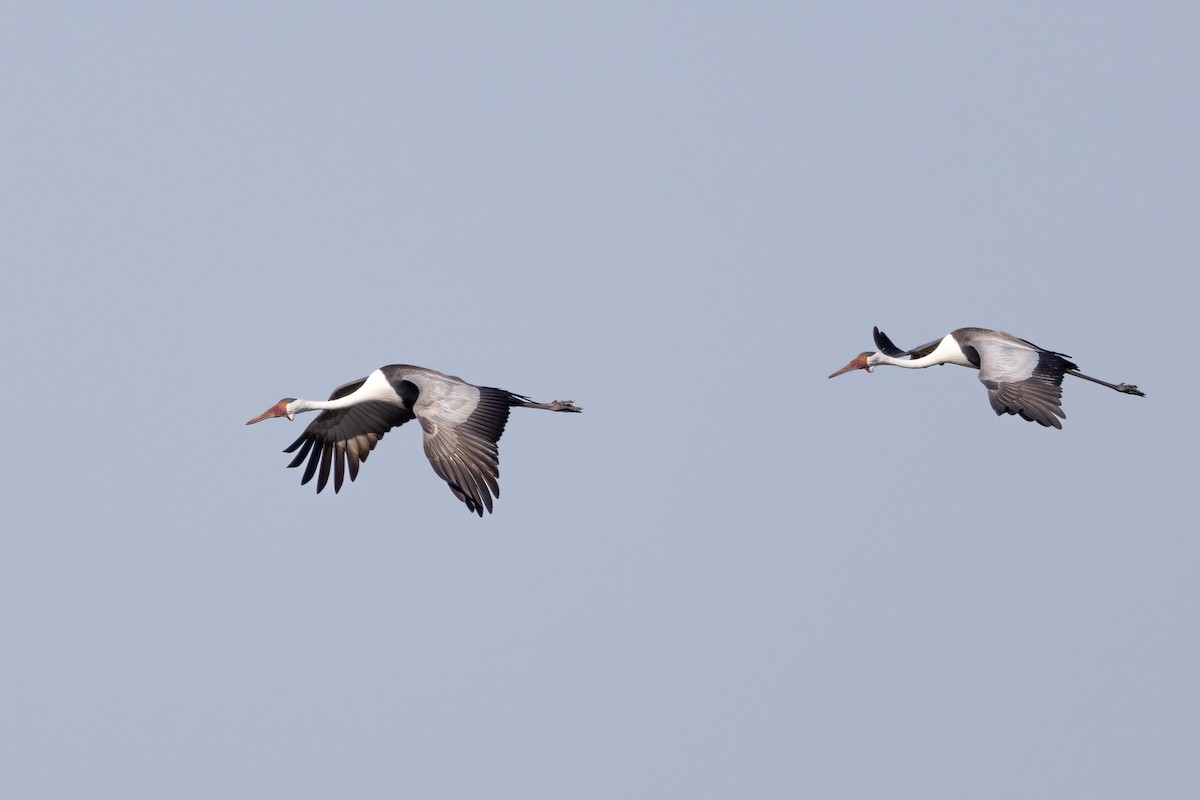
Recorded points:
(858, 363)
(277, 410)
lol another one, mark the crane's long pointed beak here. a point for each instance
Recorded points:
(277, 410)
(860, 362)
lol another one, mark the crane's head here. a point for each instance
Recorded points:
(862, 361)
(280, 409)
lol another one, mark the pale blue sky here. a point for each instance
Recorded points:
(729, 577)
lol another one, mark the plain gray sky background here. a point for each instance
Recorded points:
(730, 577)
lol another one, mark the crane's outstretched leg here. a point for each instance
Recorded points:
(1126, 388)
(557, 405)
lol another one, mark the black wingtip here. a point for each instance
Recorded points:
(885, 345)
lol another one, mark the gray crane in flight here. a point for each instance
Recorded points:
(462, 425)
(1021, 378)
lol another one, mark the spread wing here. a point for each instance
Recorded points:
(462, 425)
(344, 437)
(1023, 379)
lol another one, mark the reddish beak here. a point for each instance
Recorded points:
(277, 410)
(858, 363)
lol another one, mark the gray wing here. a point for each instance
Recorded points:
(344, 437)
(462, 425)
(1022, 379)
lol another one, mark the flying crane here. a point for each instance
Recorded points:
(462, 424)
(1021, 378)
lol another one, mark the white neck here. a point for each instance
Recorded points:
(376, 387)
(947, 352)
(300, 406)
